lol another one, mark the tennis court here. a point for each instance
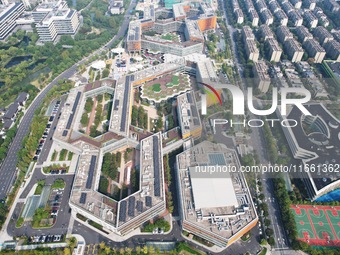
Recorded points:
(318, 225)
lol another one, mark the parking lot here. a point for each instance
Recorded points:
(55, 112)
(54, 201)
(46, 239)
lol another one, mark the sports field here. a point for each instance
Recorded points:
(318, 225)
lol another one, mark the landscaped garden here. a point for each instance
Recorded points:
(96, 114)
(165, 87)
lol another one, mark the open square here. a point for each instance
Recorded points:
(318, 225)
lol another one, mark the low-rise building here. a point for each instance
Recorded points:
(116, 7)
(296, 18)
(283, 33)
(315, 50)
(274, 50)
(333, 50)
(261, 76)
(310, 19)
(303, 34)
(322, 35)
(294, 50)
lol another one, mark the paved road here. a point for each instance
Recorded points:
(259, 145)
(174, 236)
(8, 168)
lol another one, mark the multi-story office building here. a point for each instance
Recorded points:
(282, 17)
(274, 50)
(192, 31)
(333, 50)
(8, 16)
(303, 34)
(210, 205)
(294, 50)
(261, 76)
(60, 22)
(296, 18)
(283, 33)
(134, 37)
(315, 151)
(310, 19)
(315, 50)
(322, 35)
(40, 12)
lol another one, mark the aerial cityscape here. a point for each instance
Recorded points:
(170, 127)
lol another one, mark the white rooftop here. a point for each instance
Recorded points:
(213, 192)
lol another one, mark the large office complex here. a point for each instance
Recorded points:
(217, 208)
(54, 19)
(315, 141)
(8, 16)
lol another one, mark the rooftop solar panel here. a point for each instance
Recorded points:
(194, 111)
(65, 132)
(131, 208)
(122, 211)
(156, 168)
(116, 105)
(148, 201)
(125, 102)
(70, 119)
(196, 122)
(139, 206)
(189, 98)
(82, 199)
(91, 172)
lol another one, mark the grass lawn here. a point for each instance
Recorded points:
(264, 251)
(175, 80)
(156, 87)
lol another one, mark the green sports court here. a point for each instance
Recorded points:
(318, 225)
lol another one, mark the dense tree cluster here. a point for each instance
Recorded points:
(139, 117)
(111, 162)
